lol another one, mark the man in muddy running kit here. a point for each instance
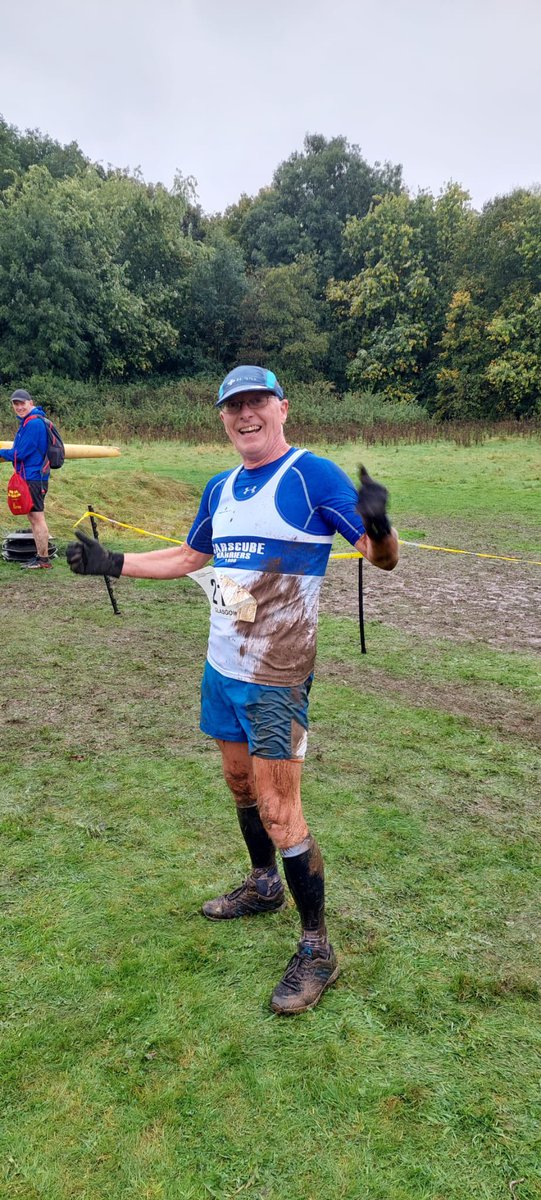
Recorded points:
(269, 524)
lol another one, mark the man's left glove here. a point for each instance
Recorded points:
(371, 504)
(87, 557)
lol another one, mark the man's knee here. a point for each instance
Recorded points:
(283, 819)
(38, 522)
(241, 785)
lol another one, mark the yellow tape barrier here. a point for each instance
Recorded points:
(121, 525)
(531, 562)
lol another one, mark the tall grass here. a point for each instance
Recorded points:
(184, 409)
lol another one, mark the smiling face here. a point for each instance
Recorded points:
(256, 430)
(22, 407)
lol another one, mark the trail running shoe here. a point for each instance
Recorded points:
(245, 901)
(37, 564)
(305, 978)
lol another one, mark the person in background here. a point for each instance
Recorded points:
(29, 451)
(269, 524)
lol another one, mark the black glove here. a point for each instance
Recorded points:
(87, 557)
(371, 503)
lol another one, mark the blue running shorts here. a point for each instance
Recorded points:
(272, 720)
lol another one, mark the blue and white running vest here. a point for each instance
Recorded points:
(265, 591)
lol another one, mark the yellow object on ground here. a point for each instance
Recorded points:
(75, 451)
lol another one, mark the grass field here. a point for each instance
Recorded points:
(139, 1059)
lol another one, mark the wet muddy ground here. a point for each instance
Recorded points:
(488, 705)
(432, 595)
(436, 595)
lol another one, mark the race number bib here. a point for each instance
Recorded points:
(226, 597)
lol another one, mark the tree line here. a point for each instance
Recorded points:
(334, 272)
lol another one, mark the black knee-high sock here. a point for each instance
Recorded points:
(305, 877)
(260, 847)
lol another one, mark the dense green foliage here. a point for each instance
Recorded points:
(333, 272)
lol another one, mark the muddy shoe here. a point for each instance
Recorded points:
(306, 976)
(37, 564)
(258, 894)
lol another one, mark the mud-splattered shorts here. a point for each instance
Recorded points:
(272, 720)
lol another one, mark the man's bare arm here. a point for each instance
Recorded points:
(87, 556)
(172, 563)
(383, 554)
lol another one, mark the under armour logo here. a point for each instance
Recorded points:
(246, 490)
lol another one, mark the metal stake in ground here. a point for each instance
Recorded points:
(361, 608)
(108, 584)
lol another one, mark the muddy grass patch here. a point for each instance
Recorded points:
(487, 707)
(436, 595)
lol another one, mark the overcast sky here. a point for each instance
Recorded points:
(224, 91)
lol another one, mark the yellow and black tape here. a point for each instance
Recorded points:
(531, 562)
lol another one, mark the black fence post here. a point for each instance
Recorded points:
(108, 584)
(361, 608)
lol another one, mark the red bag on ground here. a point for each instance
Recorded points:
(19, 495)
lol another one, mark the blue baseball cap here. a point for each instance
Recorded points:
(248, 379)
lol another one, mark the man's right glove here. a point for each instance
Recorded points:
(371, 504)
(87, 557)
